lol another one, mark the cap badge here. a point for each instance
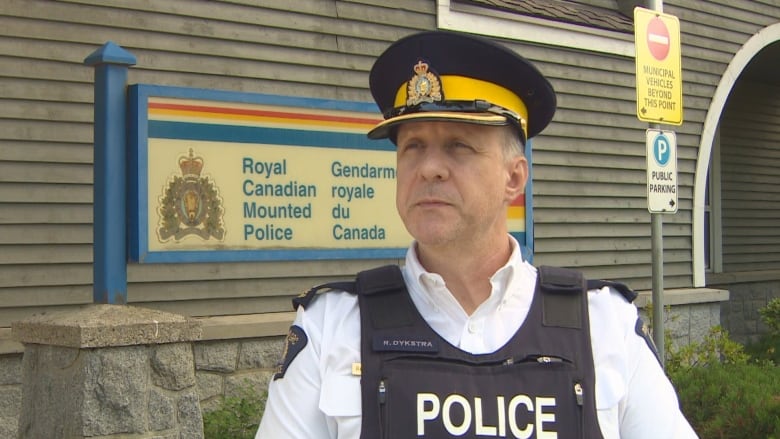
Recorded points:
(424, 86)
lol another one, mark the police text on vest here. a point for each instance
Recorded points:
(430, 409)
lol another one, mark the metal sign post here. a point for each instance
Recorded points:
(659, 100)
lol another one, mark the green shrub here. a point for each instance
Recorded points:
(767, 347)
(723, 392)
(735, 401)
(236, 417)
(715, 348)
(770, 314)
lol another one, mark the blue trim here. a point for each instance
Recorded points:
(270, 255)
(137, 176)
(529, 203)
(110, 53)
(248, 134)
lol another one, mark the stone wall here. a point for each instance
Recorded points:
(148, 391)
(689, 323)
(224, 367)
(10, 393)
(108, 371)
(740, 314)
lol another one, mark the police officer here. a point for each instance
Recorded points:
(467, 339)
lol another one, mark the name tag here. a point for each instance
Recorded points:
(404, 344)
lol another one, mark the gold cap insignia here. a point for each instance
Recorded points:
(424, 86)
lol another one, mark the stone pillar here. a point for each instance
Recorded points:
(109, 371)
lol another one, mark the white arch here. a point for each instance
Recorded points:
(744, 55)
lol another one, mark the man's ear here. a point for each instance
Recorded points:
(517, 177)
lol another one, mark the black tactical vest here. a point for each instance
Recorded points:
(540, 384)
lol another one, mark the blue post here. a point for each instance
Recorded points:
(111, 63)
(529, 202)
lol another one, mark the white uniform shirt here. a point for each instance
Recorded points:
(319, 397)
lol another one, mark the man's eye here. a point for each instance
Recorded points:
(461, 145)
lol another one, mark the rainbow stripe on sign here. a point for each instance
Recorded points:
(276, 117)
(515, 216)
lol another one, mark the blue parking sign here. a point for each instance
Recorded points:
(661, 171)
(662, 149)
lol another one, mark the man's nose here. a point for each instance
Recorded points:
(434, 164)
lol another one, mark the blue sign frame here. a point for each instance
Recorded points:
(141, 129)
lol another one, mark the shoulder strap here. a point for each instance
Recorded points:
(384, 279)
(563, 291)
(383, 295)
(560, 280)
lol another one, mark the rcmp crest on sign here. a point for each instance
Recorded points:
(191, 204)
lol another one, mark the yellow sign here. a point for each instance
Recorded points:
(212, 195)
(658, 67)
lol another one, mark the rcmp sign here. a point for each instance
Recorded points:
(222, 176)
(218, 176)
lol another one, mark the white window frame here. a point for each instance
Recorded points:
(714, 208)
(737, 65)
(489, 22)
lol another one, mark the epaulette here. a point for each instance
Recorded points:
(623, 289)
(305, 298)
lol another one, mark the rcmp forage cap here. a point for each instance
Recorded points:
(447, 76)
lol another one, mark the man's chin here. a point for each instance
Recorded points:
(433, 238)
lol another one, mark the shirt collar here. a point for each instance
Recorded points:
(432, 284)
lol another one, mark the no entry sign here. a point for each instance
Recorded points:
(658, 39)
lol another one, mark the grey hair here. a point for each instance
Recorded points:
(513, 146)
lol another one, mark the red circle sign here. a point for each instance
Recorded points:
(658, 39)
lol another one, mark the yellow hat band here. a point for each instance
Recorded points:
(462, 88)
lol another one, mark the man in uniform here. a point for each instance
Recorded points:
(467, 339)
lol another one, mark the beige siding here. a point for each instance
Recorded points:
(321, 49)
(589, 190)
(589, 173)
